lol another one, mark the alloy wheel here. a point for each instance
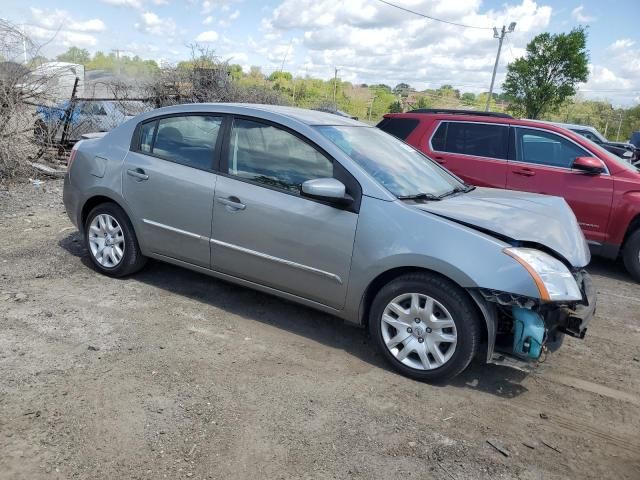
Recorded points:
(106, 240)
(419, 331)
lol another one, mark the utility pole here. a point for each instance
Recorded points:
(371, 106)
(24, 43)
(500, 37)
(335, 88)
(294, 91)
(619, 127)
(117, 52)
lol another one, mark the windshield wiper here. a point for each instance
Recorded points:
(419, 196)
(465, 189)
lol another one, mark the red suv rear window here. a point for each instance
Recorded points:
(398, 127)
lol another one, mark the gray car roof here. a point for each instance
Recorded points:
(569, 125)
(303, 115)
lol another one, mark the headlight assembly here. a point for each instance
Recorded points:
(553, 278)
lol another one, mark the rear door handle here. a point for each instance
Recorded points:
(525, 172)
(440, 160)
(232, 202)
(138, 173)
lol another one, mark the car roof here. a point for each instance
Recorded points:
(569, 125)
(303, 115)
(470, 117)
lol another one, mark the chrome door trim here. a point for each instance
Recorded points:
(282, 261)
(175, 230)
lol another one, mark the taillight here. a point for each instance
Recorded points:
(72, 155)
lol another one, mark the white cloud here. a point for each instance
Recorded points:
(152, 24)
(62, 38)
(207, 37)
(579, 16)
(208, 20)
(61, 19)
(161, 2)
(617, 78)
(124, 3)
(372, 42)
(216, 6)
(622, 44)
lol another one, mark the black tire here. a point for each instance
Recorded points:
(631, 255)
(457, 302)
(132, 259)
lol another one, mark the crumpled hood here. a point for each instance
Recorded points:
(520, 216)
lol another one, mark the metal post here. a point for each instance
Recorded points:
(66, 119)
(371, 106)
(500, 37)
(619, 126)
(335, 88)
(294, 92)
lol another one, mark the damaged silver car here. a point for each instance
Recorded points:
(342, 217)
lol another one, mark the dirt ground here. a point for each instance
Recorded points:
(172, 374)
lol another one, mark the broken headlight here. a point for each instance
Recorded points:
(553, 278)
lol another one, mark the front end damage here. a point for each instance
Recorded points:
(521, 331)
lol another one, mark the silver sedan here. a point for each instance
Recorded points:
(342, 217)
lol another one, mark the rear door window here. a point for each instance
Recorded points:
(477, 139)
(546, 148)
(398, 127)
(189, 140)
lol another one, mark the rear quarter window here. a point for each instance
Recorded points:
(469, 138)
(398, 127)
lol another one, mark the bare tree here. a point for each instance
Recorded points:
(204, 78)
(20, 93)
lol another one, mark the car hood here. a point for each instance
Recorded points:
(520, 217)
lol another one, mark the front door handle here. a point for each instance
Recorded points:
(232, 202)
(525, 172)
(138, 173)
(440, 160)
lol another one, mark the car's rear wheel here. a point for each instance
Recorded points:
(111, 241)
(426, 326)
(631, 255)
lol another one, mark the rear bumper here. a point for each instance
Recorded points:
(70, 197)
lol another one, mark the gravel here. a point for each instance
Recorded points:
(172, 374)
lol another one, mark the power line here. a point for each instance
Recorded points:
(423, 15)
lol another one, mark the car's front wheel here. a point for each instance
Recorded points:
(426, 326)
(631, 255)
(111, 241)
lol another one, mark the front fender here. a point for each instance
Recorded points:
(392, 235)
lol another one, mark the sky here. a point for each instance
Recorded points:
(366, 40)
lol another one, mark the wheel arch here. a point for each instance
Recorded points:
(634, 225)
(391, 274)
(98, 198)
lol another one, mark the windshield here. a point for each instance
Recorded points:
(400, 168)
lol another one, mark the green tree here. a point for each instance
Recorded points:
(75, 55)
(395, 107)
(547, 75)
(468, 98)
(277, 75)
(235, 71)
(424, 102)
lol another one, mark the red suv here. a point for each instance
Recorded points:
(499, 151)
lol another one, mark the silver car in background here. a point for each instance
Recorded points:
(342, 217)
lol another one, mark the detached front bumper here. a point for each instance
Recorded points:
(576, 319)
(509, 342)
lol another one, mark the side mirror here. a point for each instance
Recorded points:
(589, 165)
(328, 189)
